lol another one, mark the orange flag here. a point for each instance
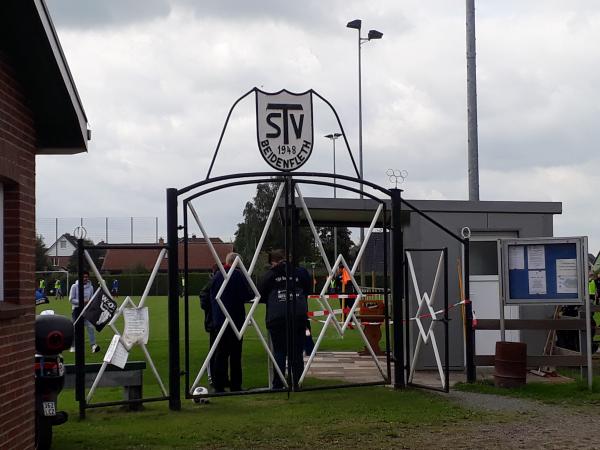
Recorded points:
(345, 276)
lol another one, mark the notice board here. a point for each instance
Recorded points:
(543, 270)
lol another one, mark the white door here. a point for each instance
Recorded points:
(484, 287)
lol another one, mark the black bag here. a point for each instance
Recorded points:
(100, 311)
(276, 305)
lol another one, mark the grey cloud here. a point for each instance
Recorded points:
(82, 14)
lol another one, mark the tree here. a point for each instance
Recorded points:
(256, 213)
(344, 243)
(42, 261)
(96, 255)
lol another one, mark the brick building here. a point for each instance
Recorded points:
(40, 113)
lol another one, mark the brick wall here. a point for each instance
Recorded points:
(17, 174)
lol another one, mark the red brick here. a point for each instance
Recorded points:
(17, 172)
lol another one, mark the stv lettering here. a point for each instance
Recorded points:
(284, 128)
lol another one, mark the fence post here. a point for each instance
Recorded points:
(398, 288)
(79, 336)
(173, 311)
(470, 333)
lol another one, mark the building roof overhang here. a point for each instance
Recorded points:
(354, 212)
(29, 38)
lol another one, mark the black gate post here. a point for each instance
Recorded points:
(173, 311)
(398, 288)
(470, 333)
(79, 335)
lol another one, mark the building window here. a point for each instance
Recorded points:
(63, 243)
(484, 258)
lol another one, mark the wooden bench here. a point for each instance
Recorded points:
(130, 377)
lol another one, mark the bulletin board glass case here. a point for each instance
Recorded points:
(543, 271)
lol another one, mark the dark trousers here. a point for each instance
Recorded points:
(228, 358)
(212, 335)
(278, 334)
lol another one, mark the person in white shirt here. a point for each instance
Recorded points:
(88, 291)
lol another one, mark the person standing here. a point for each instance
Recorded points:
(228, 354)
(273, 290)
(88, 292)
(114, 290)
(43, 286)
(58, 290)
(205, 304)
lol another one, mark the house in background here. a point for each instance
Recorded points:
(40, 114)
(200, 258)
(61, 251)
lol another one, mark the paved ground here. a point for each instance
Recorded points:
(354, 368)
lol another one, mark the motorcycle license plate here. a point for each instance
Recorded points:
(49, 408)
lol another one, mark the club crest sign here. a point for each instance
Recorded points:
(284, 128)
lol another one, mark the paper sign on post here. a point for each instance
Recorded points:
(136, 326)
(116, 354)
(537, 282)
(536, 257)
(566, 276)
(516, 257)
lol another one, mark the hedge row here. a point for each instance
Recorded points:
(134, 284)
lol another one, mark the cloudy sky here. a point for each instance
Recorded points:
(157, 79)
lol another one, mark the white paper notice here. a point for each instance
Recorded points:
(136, 326)
(536, 259)
(537, 282)
(566, 276)
(116, 354)
(516, 257)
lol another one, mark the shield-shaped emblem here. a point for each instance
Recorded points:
(284, 128)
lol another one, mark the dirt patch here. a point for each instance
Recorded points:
(522, 424)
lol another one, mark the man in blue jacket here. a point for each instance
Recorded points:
(286, 324)
(228, 354)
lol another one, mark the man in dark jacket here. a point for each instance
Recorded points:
(280, 304)
(228, 354)
(205, 304)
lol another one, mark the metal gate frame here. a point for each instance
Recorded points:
(443, 264)
(174, 196)
(79, 343)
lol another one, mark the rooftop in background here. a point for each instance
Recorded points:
(199, 256)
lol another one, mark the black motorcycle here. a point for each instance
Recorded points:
(53, 334)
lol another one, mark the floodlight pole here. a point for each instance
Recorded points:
(472, 137)
(373, 34)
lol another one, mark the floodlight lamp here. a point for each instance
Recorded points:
(374, 34)
(355, 24)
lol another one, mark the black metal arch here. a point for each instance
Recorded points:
(255, 90)
(358, 180)
(267, 180)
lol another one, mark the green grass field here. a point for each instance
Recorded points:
(343, 418)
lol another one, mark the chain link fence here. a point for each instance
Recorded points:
(110, 230)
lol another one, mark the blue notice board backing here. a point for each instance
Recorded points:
(542, 271)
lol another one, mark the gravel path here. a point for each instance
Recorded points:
(536, 425)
